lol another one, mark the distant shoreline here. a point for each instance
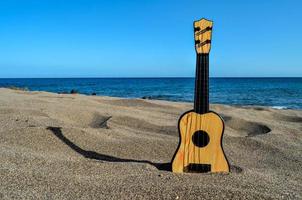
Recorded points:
(272, 92)
(156, 99)
(243, 77)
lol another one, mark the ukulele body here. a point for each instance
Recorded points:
(200, 147)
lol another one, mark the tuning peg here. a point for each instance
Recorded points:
(196, 29)
(197, 41)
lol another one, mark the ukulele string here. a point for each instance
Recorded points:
(203, 86)
(201, 103)
(197, 101)
(207, 89)
(202, 106)
(199, 108)
(202, 92)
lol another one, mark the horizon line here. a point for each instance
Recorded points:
(148, 77)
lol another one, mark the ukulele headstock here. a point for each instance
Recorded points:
(203, 35)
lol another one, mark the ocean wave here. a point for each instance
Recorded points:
(165, 97)
(280, 107)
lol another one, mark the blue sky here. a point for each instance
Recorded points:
(148, 38)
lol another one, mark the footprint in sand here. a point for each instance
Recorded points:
(250, 129)
(100, 121)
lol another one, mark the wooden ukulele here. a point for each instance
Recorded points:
(200, 147)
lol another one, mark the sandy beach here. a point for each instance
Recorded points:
(63, 146)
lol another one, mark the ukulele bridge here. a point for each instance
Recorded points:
(197, 168)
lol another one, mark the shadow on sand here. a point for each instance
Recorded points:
(57, 131)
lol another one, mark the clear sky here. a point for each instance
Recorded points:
(148, 38)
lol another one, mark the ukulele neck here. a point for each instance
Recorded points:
(201, 99)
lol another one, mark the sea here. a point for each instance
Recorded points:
(280, 93)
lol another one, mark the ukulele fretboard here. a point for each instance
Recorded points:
(201, 100)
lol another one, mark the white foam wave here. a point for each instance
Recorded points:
(279, 107)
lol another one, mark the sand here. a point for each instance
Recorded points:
(60, 146)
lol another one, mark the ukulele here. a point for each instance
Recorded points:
(200, 147)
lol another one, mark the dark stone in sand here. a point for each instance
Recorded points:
(73, 91)
(93, 94)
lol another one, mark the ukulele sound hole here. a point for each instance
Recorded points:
(197, 168)
(200, 138)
